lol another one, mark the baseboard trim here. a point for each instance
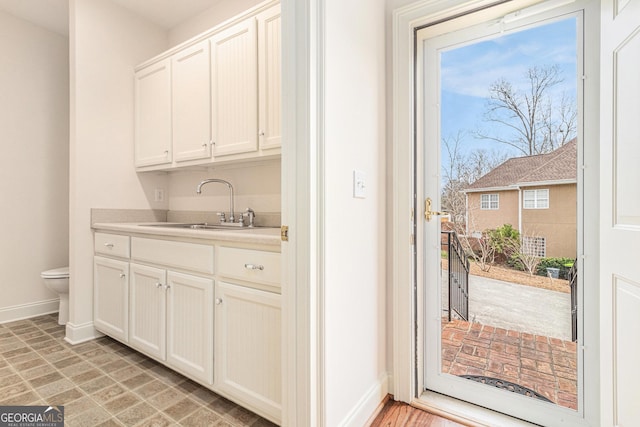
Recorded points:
(378, 410)
(369, 404)
(26, 311)
(77, 334)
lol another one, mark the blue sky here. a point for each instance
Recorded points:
(468, 71)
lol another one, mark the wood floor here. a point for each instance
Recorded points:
(398, 414)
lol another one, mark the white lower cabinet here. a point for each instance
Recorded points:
(247, 350)
(147, 302)
(111, 297)
(169, 300)
(190, 325)
(172, 319)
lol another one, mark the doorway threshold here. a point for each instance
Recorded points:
(464, 412)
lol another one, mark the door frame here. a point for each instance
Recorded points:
(302, 211)
(407, 325)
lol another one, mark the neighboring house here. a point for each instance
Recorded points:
(536, 195)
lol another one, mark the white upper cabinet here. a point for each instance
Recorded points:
(234, 91)
(191, 103)
(153, 115)
(215, 98)
(269, 72)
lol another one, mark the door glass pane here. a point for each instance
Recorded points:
(508, 126)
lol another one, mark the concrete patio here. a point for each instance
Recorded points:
(516, 307)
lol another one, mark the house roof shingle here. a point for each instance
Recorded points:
(559, 165)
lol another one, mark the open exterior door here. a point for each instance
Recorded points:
(620, 212)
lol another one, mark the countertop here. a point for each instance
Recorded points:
(260, 235)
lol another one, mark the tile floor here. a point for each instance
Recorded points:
(545, 365)
(104, 383)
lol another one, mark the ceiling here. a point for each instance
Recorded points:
(54, 14)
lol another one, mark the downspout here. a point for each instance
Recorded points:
(520, 210)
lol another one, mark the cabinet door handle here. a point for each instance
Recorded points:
(158, 285)
(122, 275)
(254, 267)
(261, 133)
(109, 245)
(218, 301)
(167, 287)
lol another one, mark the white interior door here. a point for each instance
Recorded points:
(620, 212)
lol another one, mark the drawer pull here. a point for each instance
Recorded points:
(109, 245)
(254, 267)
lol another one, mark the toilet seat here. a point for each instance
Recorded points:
(56, 273)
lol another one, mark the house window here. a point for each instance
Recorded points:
(535, 246)
(489, 201)
(536, 199)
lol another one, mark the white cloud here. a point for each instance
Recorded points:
(470, 70)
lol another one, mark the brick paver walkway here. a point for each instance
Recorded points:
(545, 365)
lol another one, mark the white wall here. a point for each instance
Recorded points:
(354, 255)
(34, 133)
(256, 186)
(107, 41)
(219, 12)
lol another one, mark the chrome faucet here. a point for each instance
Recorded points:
(232, 216)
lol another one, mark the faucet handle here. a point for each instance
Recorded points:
(223, 217)
(249, 213)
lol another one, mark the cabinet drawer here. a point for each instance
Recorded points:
(189, 256)
(111, 244)
(251, 265)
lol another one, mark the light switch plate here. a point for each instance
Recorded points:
(359, 184)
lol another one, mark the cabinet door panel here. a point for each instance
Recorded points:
(247, 350)
(269, 83)
(111, 297)
(147, 321)
(190, 325)
(234, 89)
(153, 115)
(191, 103)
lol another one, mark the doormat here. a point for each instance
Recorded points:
(505, 385)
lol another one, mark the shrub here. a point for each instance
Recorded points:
(564, 264)
(502, 237)
(515, 263)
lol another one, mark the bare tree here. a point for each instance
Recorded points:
(477, 245)
(455, 178)
(527, 251)
(461, 169)
(533, 120)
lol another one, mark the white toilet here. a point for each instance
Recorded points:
(58, 281)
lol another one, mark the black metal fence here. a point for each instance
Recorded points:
(458, 266)
(573, 284)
